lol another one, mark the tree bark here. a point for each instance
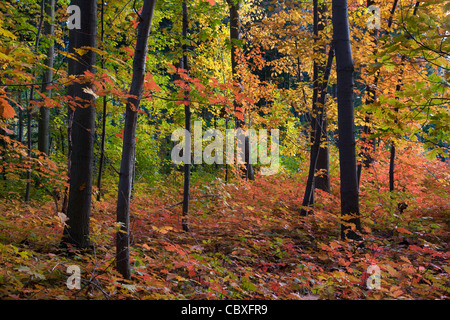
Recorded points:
(76, 231)
(129, 140)
(102, 144)
(47, 79)
(187, 115)
(350, 216)
(235, 36)
(392, 147)
(308, 198)
(322, 180)
(29, 117)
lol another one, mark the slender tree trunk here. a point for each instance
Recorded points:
(76, 231)
(397, 89)
(223, 112)
(350, 215)
(47, 79)
(29, 117)
(70, 114)
(129, 140)
(187, 115)
(308, 198)
(322, 181)
(235, 36)
(102, 145)
(226, 164)
(392, 168)
(29, 145)
(20, 120)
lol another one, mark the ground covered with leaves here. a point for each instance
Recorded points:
(246, 241)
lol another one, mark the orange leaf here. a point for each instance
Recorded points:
(150, 84)
(403, 230)
(6, 111)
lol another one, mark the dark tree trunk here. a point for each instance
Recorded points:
(187, 115)
(235, 36)
(83, 125)
(397, 89)
(102, 144)
(392, 168)
(320, 85)
(29, 117)
(47, 79)
(20, 120)
(350, 215)
(65, 203)
(129, 140)
(29, 145)
(308, 198)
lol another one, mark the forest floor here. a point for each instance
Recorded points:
(246, 241)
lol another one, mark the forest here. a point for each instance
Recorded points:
(224, 150)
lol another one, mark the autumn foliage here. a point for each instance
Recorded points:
(244, 249)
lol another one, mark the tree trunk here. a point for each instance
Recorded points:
(76, 231)
(187, 115)
(20, 120)
(308, 198)
(47, 79)
(129, 140)
(350, 225)
(397, 89)
(392, 167)
(321, 181)
(65, 203)
(29, 145)
(235, 36)
(102, 145)
(29, 117)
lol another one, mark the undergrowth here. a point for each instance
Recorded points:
(246, 241)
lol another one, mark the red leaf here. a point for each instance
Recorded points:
(6, 111)
(403, 230)
(150, 84)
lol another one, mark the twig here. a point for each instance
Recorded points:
(437, 179)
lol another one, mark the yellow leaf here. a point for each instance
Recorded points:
(405, 259)
(96, 50)
(162, 230)
(7, 33)
(392, 271)
(81, 51)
